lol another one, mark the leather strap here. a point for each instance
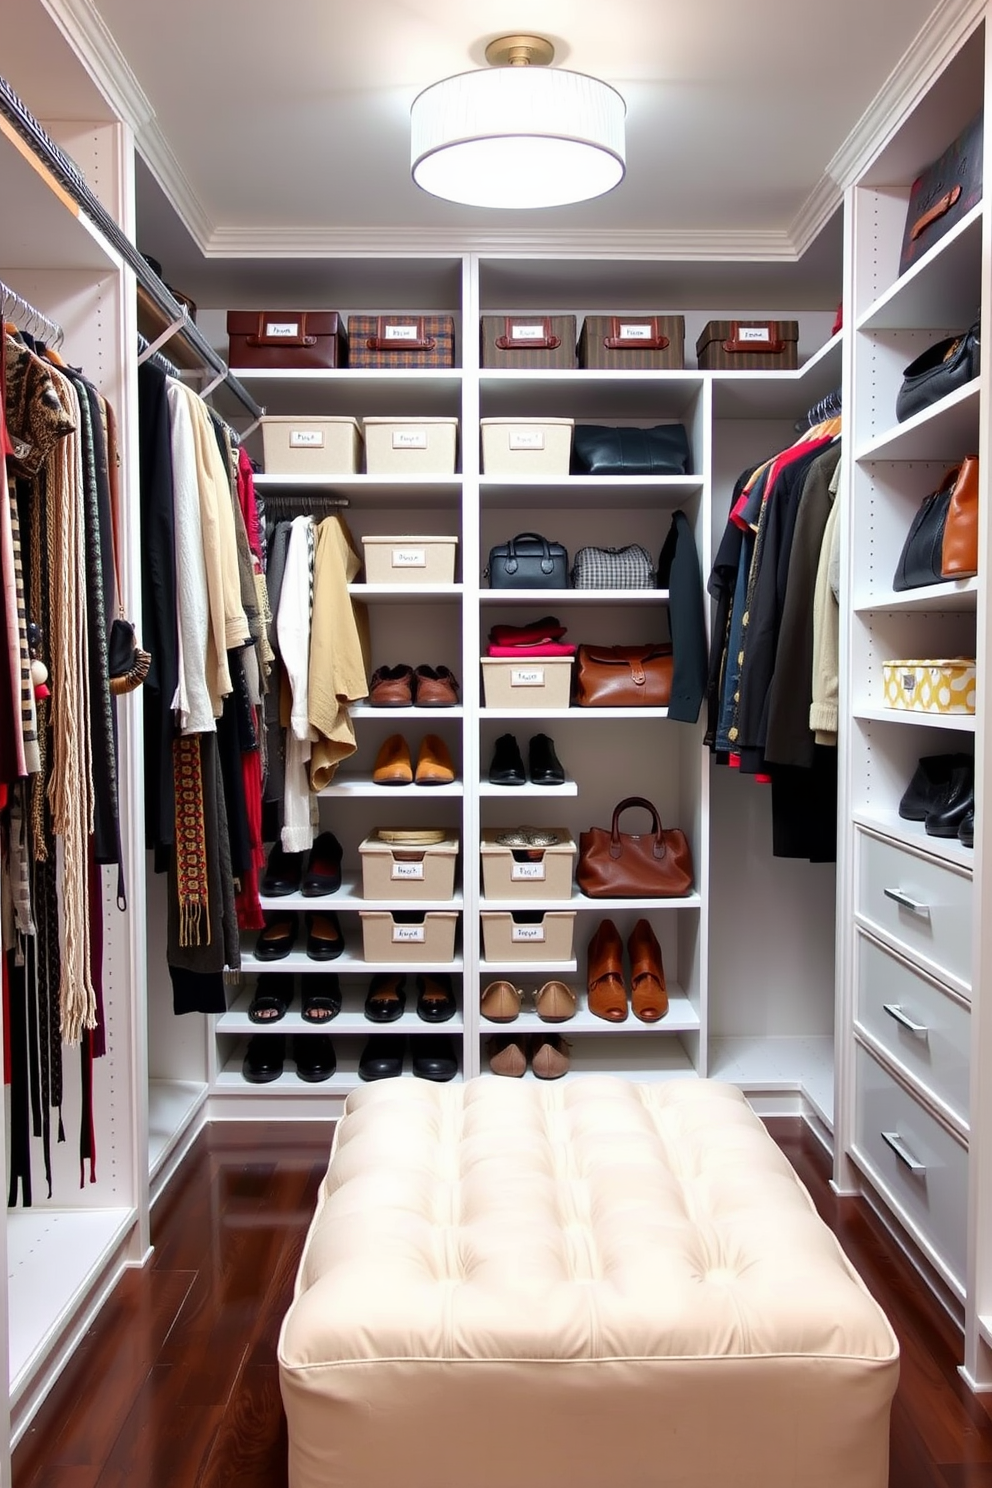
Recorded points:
(381, 341)
(299, 339)
(764, 344)
(659, 848)
(939, 208)
(616, 341)
(544, 340)
(547, 562)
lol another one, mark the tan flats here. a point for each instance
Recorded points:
(548, 1054)
(554, 1002)
(394, 763)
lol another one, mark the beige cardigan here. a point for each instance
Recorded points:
(338, 651)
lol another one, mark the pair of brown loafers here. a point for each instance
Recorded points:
(403, 687)
(605, 979)
(554, 1002)
(394, 762)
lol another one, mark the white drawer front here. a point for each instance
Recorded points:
(918, 902)
(926, 1030)
(935, 1198)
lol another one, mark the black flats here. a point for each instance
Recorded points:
(265, 1057)
(507, 767)
(941, 794)
(285, 874)
(433, 1057)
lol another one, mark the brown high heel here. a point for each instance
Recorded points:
(604, 974)
(648, 994)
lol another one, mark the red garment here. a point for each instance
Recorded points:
(247, 903)
(794, 452)
(549, 648)
(247, 502)
(545, 629)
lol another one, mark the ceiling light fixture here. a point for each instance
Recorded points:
(519, 134)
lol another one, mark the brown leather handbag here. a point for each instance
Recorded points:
(959, 549)
(624, 676)
(622, 865)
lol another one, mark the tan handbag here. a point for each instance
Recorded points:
(959, 549)
(624, 676)
(622, 865)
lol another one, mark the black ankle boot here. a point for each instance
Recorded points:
(545, 766)
(507, 766)
(929, 783)
(956, 801)
(966, 831)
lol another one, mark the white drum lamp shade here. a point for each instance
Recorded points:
(518, 137)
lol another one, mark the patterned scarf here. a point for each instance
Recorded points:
(192, 879)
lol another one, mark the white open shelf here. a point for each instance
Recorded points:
(940, 289)
(914, 834)
(358, 482)
(682, 1017)
(785, 394)
(355, 786)
(602, 906)
(963, 723)
(528, 969)
(649, 1059)
(955, 594)
(363, 712)
(553, 599)
(348, 961)
(349, 896)
(769, 1063)
(42, 227)
(527, 791)
(350, 1020)
(172, 1105)
(944, 431)
(231, 1081)
(574, 713)
(406, 594)
(360, 376)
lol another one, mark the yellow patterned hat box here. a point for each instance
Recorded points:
(931, 686)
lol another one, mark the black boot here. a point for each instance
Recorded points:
(507, 766)
(545, 766)
(955, 803)
(930, 780)
(966, 831)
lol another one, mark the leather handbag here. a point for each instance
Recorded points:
(943, 367)
(942, 542)
(624, 676)
(598, 449)
(621, 865)
(528, 561)
(613, 568)
(945, 192)
(289, 339)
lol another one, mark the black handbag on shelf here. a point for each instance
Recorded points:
(528, 561)
(599, 449)
(943, 367)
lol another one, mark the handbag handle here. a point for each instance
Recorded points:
(946, 202)
(766, 339)
(547, 562)
(617, 341)
(540, 336)
(299, 338)
(419, 341)
(659, 848)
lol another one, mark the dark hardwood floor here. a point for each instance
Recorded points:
(176, 1385)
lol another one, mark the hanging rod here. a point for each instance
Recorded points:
(19, 310)
(284, 498)
(68, 175)
(157, 358)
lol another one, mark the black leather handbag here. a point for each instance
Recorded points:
(528, 561)
(921, 559)
(598, 449)
(942, 368)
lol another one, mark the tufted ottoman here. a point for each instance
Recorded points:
(588, 1285)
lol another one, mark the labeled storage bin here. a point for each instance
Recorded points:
(630, 342)
(290, 339)
(528, 341)
(540, 682)
(410, 560)
(527, 935)
(526, 446)
(749, 345)
(543, 873)
(405, 935)
(939, 686)
(393, 870)
(421, 446)
(311, 446)
(401, 340)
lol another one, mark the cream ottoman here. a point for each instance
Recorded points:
(587, 1285)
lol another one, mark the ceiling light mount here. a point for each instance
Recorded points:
(520, 51)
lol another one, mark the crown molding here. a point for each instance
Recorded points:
(814, 214)
(164, 165)
(319, 242)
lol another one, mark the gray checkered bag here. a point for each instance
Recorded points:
(613, 568)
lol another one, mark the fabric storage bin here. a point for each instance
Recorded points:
(529, 341)
(393, 870)
(546, 878)
(526, 935)
(401, 340)
(940, 686)
(397, 935)
(286, 338)
(632, 341)
(311, 446)
(748, 345)
(410, 560)
(526, 446)
(421, 446)
(538, 682)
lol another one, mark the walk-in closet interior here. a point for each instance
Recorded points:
(829, 956)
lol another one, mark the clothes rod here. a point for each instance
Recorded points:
(22, 313)
(271, 499)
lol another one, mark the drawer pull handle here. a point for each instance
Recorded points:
(903, 1153)
(895, 1011)
(904, 902)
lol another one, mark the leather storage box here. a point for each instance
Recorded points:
(515, 935)
(405, 871)
(528, 341)
(311, 446)
(412, 937)
(401, 340)
(417, 446)
(532, 682)
(938, 686)
(526, 446)
(286, 339)
(748, 346)
(630, 342)
(944, 193)
(546, 878)
(426, 559)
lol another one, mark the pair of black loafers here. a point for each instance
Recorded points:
(286, 873)
(941, 794)
(543, 765)
(312, 1053)
(433, 1057)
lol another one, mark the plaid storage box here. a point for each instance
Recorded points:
(632, 342)
(748, 346)
(613, 568)
(529, 341)
(401, 340)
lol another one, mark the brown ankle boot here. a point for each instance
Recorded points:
(607, 993)
(648, 995)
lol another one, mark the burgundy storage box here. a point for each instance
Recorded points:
(292, 339)
(402, 340)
